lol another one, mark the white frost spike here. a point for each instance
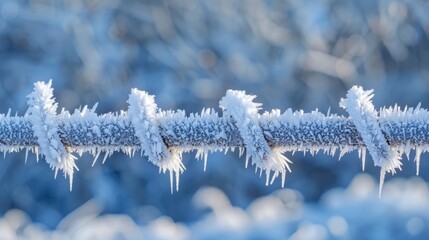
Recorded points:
(203, 154)
(362, 156)
(26, 155)
(142, 112)
(96, 157)
(42, 115)
(408, 149)
(108, 153)
(417, 159)
(360, 108)
(241, 108)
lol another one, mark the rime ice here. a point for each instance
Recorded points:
(164, 135)
(358, 104)
(42, 115)
(244, 112)
(409, 125)
(142, 112)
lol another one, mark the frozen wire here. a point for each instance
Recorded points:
(164, 135)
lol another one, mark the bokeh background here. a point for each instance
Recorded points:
(291, 54)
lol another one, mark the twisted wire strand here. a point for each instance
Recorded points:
(142, 113)
(359, 106)
(164, 135)
(244, 114)
(42, 115)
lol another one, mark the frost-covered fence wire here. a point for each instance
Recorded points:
(164, 135)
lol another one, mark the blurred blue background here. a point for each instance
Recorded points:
(291, 54)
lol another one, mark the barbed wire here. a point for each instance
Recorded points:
(163, 136)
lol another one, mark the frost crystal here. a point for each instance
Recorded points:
(410, 123)
(142, 112)
(360, 108)
(244, 112)
(42, 115)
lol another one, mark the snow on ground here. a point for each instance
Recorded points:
(356, 211)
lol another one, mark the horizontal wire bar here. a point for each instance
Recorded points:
(167, 134)
(287, 130)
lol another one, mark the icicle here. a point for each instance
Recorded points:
(96, 157)
(105, 156)
(417, 159)
(408, 149)
(36, 151)
(267, 172)
(26, 155)
(205, 160)
(333, 150)
(240, 152)
(171, 180)
(283, 179)
(343, 151)
(71, 183)
(177, 181)
(202, 154)
(275, 175)
(226, 150)
(363, 158)
(382, 175)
